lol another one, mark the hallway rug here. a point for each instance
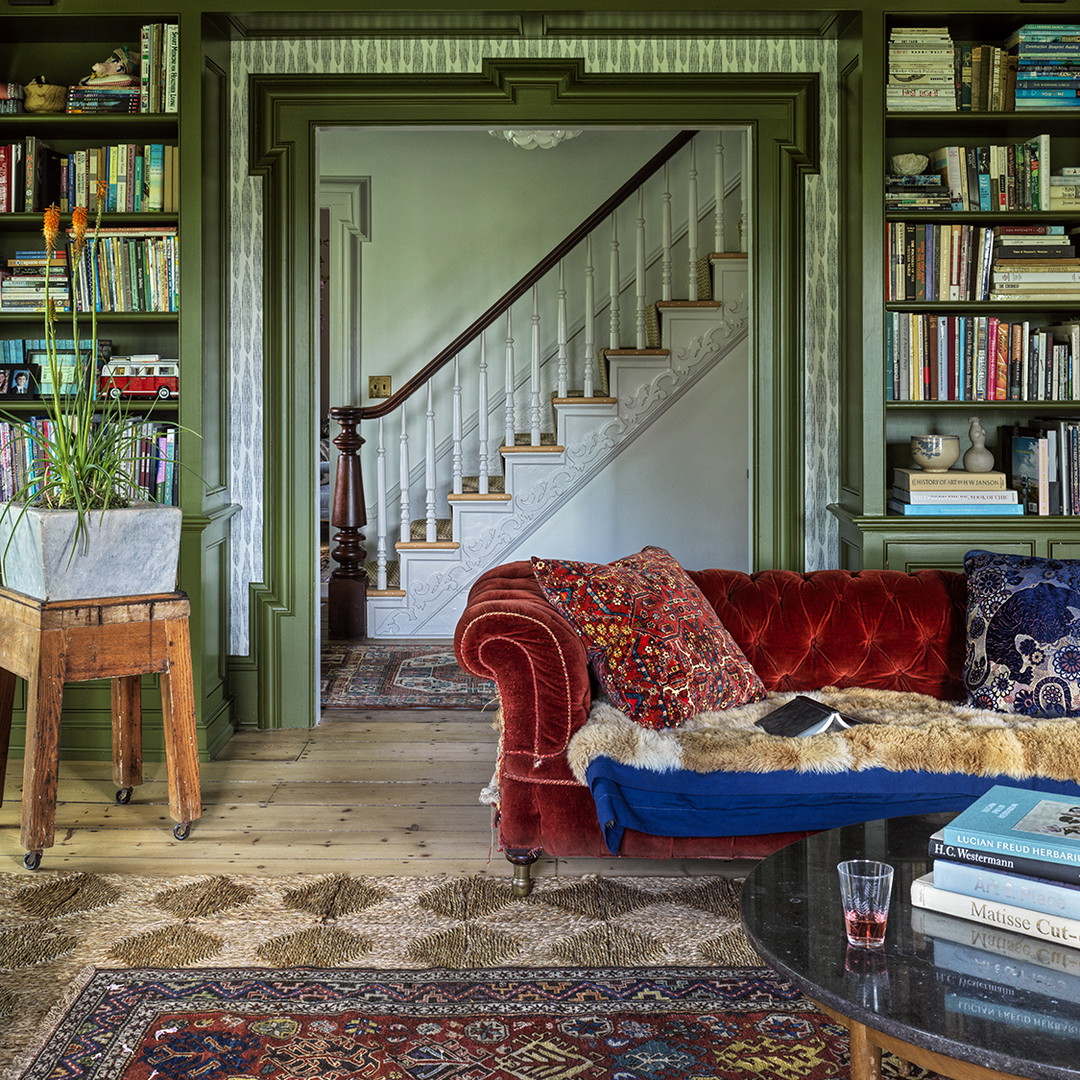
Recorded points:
(384, 675)
(502, 1024)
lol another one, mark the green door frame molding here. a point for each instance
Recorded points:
(287, 111)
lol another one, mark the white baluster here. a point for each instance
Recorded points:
(692, 223)
(482, 418)
(720, 228)
(639, 274)
(590, 318)
(429, 468)
(534, 374)
(403, 479)
(510, 428)
(563, 388)
(665, 222)
(456, 443)
(380, 511)
(614, 333)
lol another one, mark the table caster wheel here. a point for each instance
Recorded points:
(32, 860)
(123, 796)
(182, 831)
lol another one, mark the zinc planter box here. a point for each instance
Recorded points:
(132, 551)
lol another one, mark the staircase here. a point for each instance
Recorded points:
(517, 455)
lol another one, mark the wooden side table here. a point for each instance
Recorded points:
(122, 638)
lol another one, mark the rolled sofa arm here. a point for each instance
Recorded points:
(510, 633)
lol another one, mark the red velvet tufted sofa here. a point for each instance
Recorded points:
(800, 631)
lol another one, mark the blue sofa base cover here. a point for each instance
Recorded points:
(680, 802)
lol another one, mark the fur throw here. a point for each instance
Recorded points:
(908, 731)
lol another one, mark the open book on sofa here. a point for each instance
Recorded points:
(804, 715)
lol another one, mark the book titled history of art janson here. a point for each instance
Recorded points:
(1034, 893)
(1056, 928)
(1010, 864)
(1018, 821)
(806, 716)
(950, 480)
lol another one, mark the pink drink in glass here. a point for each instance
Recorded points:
(865, 887)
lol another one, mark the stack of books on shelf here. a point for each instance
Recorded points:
(932, 357)
(1009, 861)
(917, 493)
(23, 283)
(107, 95)
(11, 98)
(998, 176)
(923, 191)
(1035, 262)
(999, 927)
(922, 70)
(1048, 65)
(1065, 190)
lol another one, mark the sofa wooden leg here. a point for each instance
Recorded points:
(522, 862)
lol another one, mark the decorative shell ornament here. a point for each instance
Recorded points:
(909, 164)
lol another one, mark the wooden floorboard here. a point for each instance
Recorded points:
(387, 793)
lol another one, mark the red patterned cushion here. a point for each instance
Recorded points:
(657, 647)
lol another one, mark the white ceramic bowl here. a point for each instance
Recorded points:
(935, 453)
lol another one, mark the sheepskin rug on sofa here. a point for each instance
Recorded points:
(907, 731)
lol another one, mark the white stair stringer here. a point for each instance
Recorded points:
(435, 581)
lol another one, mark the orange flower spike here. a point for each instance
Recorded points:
(78, 228)
(51, 229)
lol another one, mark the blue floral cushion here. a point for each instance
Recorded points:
(1023, 634)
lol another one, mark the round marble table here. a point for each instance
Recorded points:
(909, 998)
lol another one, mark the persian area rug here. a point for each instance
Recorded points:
(382, 675)
(634, 1024)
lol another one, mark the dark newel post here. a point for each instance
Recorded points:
(347, 601)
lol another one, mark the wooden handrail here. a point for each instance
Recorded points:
(372, 412)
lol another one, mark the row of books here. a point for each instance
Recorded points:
(151, 464)
(19, 350)
(978, 262)
(1009, 176)
(932, 357)
(139, 177)
(1009, 867)
(133, 270)
(159, 68)
(1037, 67)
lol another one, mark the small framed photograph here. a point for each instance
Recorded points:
(69, 367)
(19, 381)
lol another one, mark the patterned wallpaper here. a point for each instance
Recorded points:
(410, 56)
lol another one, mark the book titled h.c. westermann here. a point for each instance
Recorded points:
(1015, 821)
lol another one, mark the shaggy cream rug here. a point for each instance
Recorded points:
(907, 731)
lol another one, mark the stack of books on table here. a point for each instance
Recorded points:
(1011, 860)
(1001, 910)
(922, 69)
(918, 493)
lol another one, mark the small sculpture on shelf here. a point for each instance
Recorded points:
(977, 458)
(120, 68)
